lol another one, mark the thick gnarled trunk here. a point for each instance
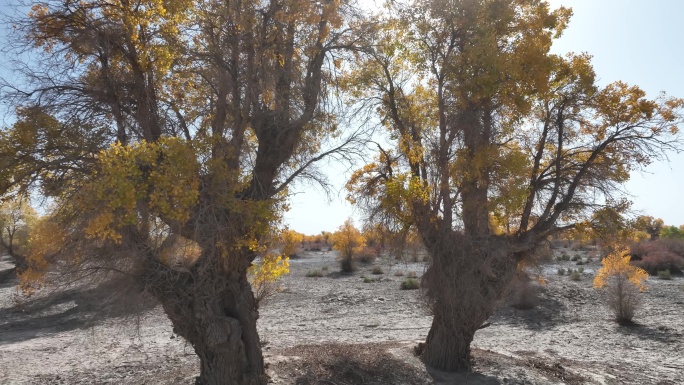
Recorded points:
(217, 315)
(447, 346)
(464, 282)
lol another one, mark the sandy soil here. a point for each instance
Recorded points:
(336, 329)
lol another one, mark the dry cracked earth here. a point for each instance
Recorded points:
(338, 329)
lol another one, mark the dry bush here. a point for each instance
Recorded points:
(349, 242)
(623, 283)
(410, 284)
(665, 274)
(575, 275)
(658, 261)
(398, 273)
(347, 265)
(377, 270)
(336, 364)
(659, 255)
(524, 293)
(674, 245)
(367, 255)
(623, 298)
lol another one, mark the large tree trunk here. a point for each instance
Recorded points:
(217, 315)
(464, 282)
(447, 346)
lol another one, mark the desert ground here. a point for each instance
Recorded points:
(342, 329)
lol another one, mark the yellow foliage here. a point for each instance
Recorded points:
(46, 239)
(348, 240)
(17, 217)
(265, 275)
(616, 264)
(164, 174)
(290, 239)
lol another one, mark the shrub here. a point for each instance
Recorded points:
(367, 255)
(580, 270)
(664, 274)
(369, 280)
(575, 258)
(410, 284)
(412, 274)
(561, 271)
(314, 273)
(398, 273)
(662, 254)
(559, 258)
(673, 245)
(565, 257)
(325, 268)
(576, 276)
(290, 243)
(264, 276)
(524, 293)
(349, 242)
(347, 265)
(377, 270)
(659, 260)
(623, 282)
(580, 262)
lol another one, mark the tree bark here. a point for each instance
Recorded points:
(464, 282)
(447, 346)
(217, 315)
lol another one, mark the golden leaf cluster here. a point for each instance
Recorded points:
(617, 264)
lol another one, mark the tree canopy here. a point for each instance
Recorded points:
(493, 144)
(151, 124)
(146, 121)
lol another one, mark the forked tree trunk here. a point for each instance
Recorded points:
(218, 316)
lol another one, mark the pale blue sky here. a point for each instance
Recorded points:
(637, 41)
(640, 42)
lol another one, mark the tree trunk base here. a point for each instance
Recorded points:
(218, 316)
(447, 348)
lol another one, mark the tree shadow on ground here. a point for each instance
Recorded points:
(661, 334)
(547, 313)
(440, 377)
(340, 274)
(8, 272)
(8, 278)
(65, 310)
